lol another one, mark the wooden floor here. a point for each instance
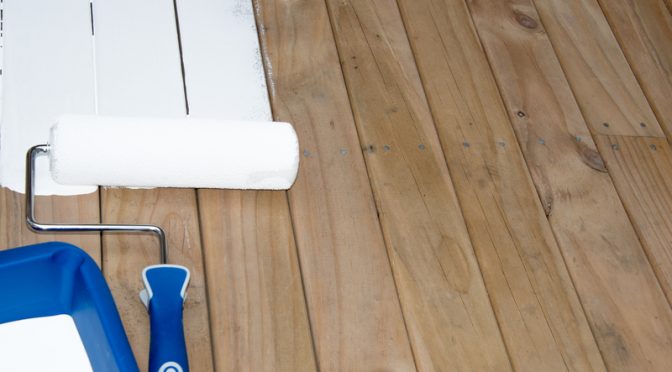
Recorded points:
(484, 186)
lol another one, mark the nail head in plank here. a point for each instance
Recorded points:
(644, 30)
(599, 74)
(642, 171)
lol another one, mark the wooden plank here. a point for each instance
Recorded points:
(623, 301)
(138, 69)
(644, 30)
(352, 302)
(538, 310)
(223, 70)
(641, 169)
(137, 58)
(446, 307)
(258, 314)
(59, 209)
(606, 89)
(48, 71)
(257, 308)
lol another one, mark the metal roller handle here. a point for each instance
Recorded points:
(62, 228)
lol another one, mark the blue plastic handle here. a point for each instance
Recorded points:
(165, 288)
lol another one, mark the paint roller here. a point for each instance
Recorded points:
(163, 152)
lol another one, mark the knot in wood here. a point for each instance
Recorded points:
(526, 21)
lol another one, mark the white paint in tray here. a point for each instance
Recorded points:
(42, 344)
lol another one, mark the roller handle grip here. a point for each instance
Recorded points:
(165, 287)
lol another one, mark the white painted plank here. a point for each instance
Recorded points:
(223, 69)
(137, 58)
(48, 71)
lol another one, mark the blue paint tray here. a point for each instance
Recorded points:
(57, 278)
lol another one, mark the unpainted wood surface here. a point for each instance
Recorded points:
(642, 171)
(49, 209)
(644, 31)
(542, 321)
(650, 233)
(446, 307)
(607, 92)
(352, 301)
(257, 309)
(619, 291)
(125, 256)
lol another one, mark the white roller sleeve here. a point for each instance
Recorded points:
(194, 153)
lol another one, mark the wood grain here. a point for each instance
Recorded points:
(353, 306)
(446, 307)
(606, 89)
(649, 233)
(138, 71)
(56, 209)
(644, 30)
(542, 321)
(125, 256)
(641, 169)
(257, 307)
(601, 249)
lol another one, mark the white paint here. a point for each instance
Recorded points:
(267, 60)
(42, 344)
(223, 69)
(48, 71)
(2, 51)
(137, 58)
(137, 62)
(173, 152)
